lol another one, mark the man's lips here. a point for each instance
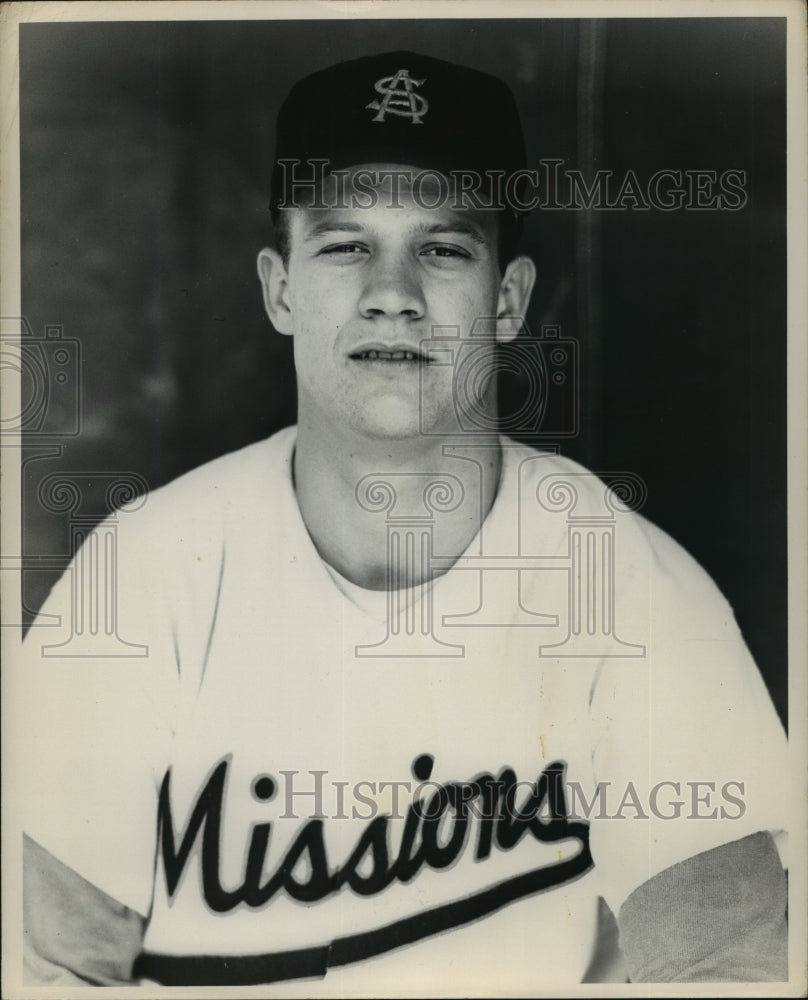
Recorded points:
(392, 353)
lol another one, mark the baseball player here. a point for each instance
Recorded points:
(407, 708)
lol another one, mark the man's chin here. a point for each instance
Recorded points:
(396, 423)
(390, 421)
(392, 430)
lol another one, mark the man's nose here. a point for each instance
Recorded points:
(392, 288)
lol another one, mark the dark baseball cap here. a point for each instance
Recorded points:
(397, 107)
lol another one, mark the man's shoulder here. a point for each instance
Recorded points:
(555, 485)
(202, 507)
(232, 478)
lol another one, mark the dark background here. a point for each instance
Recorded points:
(146, 150)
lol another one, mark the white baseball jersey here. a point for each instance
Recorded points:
(352, 792)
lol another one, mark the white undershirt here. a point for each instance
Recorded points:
(374, 602)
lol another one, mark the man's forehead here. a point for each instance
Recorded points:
(316, 221)
(371, 195)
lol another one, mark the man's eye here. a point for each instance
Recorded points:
(445, 251)
(344, 249)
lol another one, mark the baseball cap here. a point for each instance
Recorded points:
(398, 107)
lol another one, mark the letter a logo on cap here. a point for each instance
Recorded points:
(399, 98)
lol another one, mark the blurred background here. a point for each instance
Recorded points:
(146, 151)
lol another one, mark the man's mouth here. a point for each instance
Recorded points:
(401, 355)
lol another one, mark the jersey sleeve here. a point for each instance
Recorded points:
(686, 740)
(96, 686)
(717, 917)
(73, 933)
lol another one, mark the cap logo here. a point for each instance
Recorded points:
(398, 98)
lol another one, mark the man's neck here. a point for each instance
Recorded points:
(350, 488)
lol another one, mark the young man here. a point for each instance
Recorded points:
(413, 700)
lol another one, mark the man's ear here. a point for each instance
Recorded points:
(514, 297)
(275, 287)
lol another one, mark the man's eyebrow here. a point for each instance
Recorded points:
(458, 228)
(332, 226)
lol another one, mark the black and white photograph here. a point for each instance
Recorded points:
(404, 521)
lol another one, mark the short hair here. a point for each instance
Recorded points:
(509, 229)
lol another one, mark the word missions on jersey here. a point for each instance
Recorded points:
(551, 186)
